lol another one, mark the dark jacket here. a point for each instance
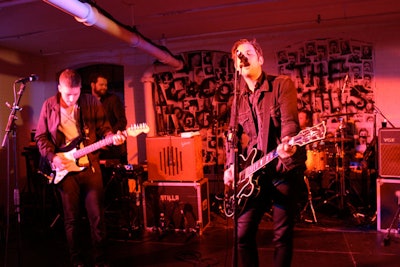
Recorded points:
(115, 111)
(91, 122)
(271, 118)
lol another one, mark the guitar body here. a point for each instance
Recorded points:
(60, 174)
(76, 154)
(248, 181)
(247, 186)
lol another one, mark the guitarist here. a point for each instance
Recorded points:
(267, 115)
(63, 118)
(115, 111)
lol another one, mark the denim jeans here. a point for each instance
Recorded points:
(84, 188)
(283, 198)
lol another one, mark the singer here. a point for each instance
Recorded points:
(267, 114)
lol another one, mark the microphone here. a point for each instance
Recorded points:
(30, 78)
(345, 81)
(243, 59)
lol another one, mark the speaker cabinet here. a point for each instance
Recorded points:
(176, 205)
(387, 200)
(172, 158)
(389, 152)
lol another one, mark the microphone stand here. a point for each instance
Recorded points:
(11, 129)
(233, 142)
(377, 110)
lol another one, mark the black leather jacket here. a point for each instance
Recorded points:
(266, 116)
(91, 121)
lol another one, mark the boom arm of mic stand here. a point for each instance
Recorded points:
(12, 117)
(380, 113)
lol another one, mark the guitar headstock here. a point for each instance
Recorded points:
(310, 135)
(137, 128)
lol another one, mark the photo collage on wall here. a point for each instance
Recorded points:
(197, 98)
(334, 80)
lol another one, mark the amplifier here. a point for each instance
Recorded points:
(176, 205)
(389, 152)
(173, 158)
(387, 203)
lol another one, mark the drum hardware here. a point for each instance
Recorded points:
(341, 192)
(338, 115)
(340, 172)
(123, 200)
(338, 139)
(309, 203)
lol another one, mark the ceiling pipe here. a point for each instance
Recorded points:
(90, 16)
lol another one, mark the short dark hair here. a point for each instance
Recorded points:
(253, 42)
(71, 78)
(94, 76)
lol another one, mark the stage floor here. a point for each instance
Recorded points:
(336, 239)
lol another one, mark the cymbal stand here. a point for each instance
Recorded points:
(342, 175)
(344, 203)
(309, 202)
(339, 173)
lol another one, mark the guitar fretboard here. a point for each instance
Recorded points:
(259, 164)
(93, 147)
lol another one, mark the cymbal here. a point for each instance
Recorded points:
(338, 115)
(338, 139)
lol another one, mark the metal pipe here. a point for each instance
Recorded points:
(90, 16)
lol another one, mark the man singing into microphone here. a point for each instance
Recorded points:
(267, 115)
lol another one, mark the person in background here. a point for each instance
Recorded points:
(305, 119)
(268, 116)
(115, 111)
(64, 118)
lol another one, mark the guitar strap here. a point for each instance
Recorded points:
(84, 133)
(270, 102)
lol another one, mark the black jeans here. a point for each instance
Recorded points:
(284, 200)
(85, 187)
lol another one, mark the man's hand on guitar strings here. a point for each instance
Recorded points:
(284, 149)
(118, 138)
(61, 163)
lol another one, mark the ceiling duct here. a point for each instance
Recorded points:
(90, 16)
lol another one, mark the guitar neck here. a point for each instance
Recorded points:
(264, 160)
(93, 147)
(304, 137)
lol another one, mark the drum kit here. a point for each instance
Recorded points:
(328, 163)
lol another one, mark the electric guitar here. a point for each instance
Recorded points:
(74, 153)
(247, 185)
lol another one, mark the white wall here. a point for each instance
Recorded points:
(14, 65)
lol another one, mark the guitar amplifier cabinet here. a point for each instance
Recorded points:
(173, 158)
(387, 202)
(176, 205)
(389, 152)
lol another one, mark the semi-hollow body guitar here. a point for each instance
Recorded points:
(247, 185)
